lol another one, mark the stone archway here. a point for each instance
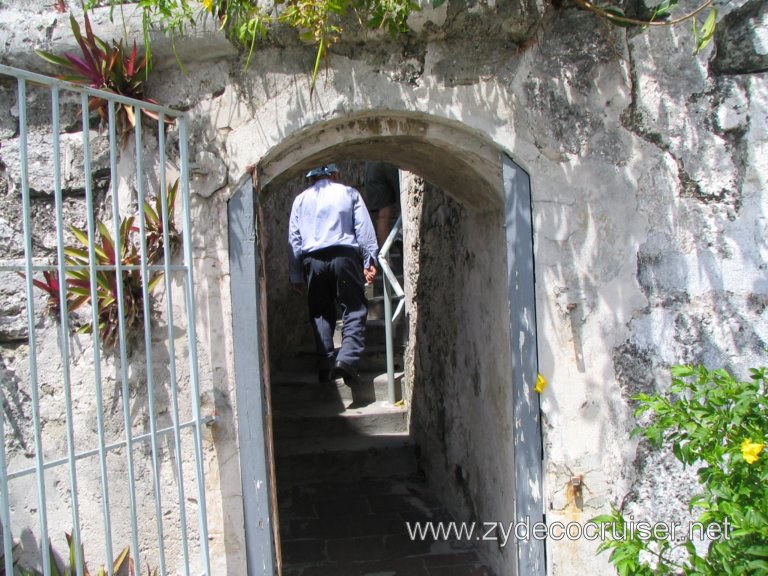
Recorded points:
(462, 161)
(465, 422)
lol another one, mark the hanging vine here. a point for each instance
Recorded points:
(319, 22)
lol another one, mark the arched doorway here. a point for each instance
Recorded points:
(473, 410)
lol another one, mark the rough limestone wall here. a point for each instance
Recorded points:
(457, 361)
(650, 252)
(701, 266)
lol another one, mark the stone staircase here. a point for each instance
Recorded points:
(348, 478)
(326, 431)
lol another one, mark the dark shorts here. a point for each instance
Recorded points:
(382, 185)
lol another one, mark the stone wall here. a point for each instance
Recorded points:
(458, 365)
(648, 169)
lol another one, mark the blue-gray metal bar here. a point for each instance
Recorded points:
(529, 502)
(63, 304)
(165, 218)
(80, 89)
(121, 333)
(148, 339)
(5, 506)
(192, 337)
(113, 446)
(96, 339)
(390, 283)
(35, 397)
(247, 336)
(98, 267)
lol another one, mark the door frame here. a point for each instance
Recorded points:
(247, 281)
(528, 457)
(252, 385)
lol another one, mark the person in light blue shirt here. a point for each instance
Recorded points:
(333, 252)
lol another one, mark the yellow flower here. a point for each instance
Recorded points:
(750, 450)
(541, 383)
(208, 4)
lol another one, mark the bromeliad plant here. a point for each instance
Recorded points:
(720, 425)
(122, 565)
(107, 66)
(108, 251)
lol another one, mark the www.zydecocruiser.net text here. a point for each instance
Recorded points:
(504, 532)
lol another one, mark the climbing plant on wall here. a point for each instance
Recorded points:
(319, 22)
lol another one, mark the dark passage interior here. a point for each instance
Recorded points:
(352, 493)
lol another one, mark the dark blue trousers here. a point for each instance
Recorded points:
(335, 275)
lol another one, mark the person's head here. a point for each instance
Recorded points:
(327, 171)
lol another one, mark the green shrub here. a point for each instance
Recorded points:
(720, 425)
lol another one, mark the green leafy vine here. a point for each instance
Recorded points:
(719, 425)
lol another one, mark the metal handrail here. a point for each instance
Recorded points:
(391, 283)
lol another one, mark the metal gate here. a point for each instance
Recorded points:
(101, 424)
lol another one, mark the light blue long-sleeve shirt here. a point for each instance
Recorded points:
(329, 214)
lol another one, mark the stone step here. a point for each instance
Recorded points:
(305, 408)
(347, 458)
(314, 420)
(374, 359)
(376, 308)
(295, 387)
(291, 426)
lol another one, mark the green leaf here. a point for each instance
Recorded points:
(682, 371)
(150, 215)
(758, 567)
(437, 3)
(316, 69)
(154, 282)
(602, 519)
(761, 551)
(662, 10)
(81, 235)
(705, 34)
(53, 59)
(108, 246)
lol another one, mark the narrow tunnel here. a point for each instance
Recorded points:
(354, 475)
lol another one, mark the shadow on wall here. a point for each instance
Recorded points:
(648, 251)
(457, 361)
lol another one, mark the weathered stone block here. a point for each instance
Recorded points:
(742, 40)
(40, 159)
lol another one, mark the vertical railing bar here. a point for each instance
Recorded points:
(166, 220)
(76, 541)
(63, 312)
(95, 334)
(121, 331)
(389, 342)
(43, 511)
(148, 340)
(192, 335)
(5, 510)
(389, 282)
